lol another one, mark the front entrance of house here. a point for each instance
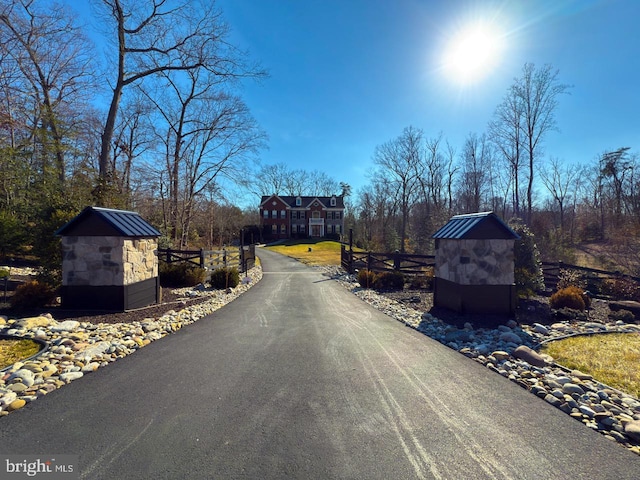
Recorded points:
(315, 231)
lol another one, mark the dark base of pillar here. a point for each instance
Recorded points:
(498, 301)
(111, 297)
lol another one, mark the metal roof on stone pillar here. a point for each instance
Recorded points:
(483, 225)
(98, 221)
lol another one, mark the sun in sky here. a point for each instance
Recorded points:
(472, 53)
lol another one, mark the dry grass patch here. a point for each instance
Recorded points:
(612, 359)
(12, 351)
(322, 253)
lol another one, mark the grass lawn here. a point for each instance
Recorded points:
(322, 252)
(612, 359)
(12, 351)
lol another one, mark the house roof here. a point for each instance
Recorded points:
(305, 201)
(484, 225)
(97, 221)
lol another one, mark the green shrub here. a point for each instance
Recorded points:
(528, 266)
(225, 277)
(175, 275)
(389, 281)
(33, 294)
(366, 278)
(569, 297)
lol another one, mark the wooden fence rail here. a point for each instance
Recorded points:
(243, 258)
(591, 276)
(406, 263)
(413, 264)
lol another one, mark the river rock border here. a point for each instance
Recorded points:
(510, 351)
(76, 349)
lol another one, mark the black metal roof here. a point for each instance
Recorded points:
(483, 225)
(97, 221)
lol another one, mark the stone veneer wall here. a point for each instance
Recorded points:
(476, 262)
(108, 261)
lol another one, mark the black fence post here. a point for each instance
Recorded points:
(397, 261)
(202, 258)
(243, 265)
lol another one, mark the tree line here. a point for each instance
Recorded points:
(420, 181)
(150, 119)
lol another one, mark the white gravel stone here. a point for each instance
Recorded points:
(80, 348)
(66, 326)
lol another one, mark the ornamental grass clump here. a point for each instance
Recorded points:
(570, 297)
(366, 278)
(33, 294)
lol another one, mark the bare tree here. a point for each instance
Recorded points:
(615, 166)
(474, 179)
(52, 56)
(133, 137)
(505, 131)
(397, 161)
(207, 134)
(559, 180)
(271, 179)
(452, 170)
(154, 37)
(320, 184)
(538, 91)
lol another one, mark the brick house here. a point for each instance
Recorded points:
(283, 217)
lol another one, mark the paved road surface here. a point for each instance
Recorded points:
(300, 379)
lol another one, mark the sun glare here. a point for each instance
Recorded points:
(472, 54)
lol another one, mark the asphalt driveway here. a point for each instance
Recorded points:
(298, 378)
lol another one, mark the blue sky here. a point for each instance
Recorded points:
(347, 75)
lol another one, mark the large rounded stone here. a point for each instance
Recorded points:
(632, 429)
(33, 322)
(26, 376)
(16, 404)
(529, 355)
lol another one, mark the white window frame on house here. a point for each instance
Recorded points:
(333, 201)
(283, 214)
(283, 229)
(274, 214)
(274, 229)
(298, 201)
(265, 214)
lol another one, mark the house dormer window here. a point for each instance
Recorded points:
(298, 201)
(333, 201)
